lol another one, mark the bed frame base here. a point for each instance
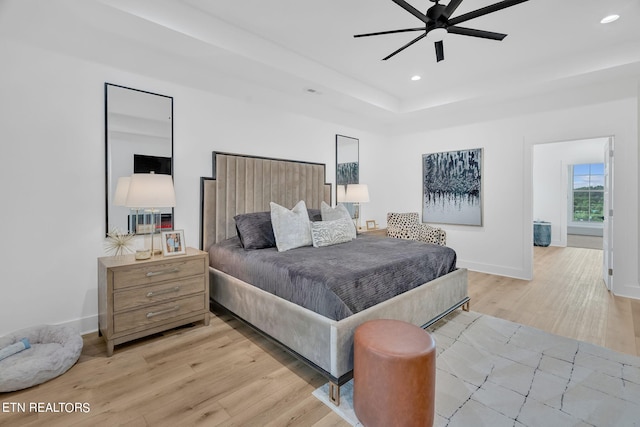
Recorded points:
(334, 383)
(334, 393)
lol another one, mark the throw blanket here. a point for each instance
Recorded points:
(340, 280)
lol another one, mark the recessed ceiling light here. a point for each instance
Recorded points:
(416, 78)
(609, 19)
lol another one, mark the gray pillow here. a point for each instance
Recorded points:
(326, 233)
(255, 230)
(339, 212)
(315, 214)
(291, 228)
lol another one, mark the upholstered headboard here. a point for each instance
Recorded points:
(244, 184)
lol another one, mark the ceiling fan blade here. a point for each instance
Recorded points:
(390, 32)
(421, 36)
(412, 10)
(451, 7)
(439, 51)
(484, 11)
(476, 33)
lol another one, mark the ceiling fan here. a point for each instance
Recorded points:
(438, 23)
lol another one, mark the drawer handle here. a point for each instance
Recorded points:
(164, 291)
(167, 271)
(158, 313)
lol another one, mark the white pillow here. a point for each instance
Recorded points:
(291, 228)
(326, 233)
(339, 212)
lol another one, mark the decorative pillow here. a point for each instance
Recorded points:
(291, 228)
(339, 212)
(331, 214)
(314, 214)
(326, 233)
(255, 230)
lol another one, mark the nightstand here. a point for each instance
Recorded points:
(139, 298)
(375, 232)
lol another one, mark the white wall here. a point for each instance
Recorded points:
(52, 121)
(550, 180)
(503, 245)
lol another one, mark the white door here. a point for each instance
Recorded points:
(607, 235)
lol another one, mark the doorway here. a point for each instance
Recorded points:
(554, 189)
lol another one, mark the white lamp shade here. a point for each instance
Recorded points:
(340, 193)
(357, 193)
(122, 189)
(149, 190)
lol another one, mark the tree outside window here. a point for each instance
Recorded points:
(588, 193)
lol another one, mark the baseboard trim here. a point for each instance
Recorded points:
(494, 269)
(627, 291)
(84, 325)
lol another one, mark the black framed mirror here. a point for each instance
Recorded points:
(138, 139)
(347, 167)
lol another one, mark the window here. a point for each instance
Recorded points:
(588, 193)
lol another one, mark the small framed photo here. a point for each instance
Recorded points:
(371, 224)
(173, 243)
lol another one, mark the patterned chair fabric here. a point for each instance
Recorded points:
(408, 226)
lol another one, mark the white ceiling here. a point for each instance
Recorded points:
(556, 53)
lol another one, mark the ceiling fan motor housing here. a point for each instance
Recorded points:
(435, 13)
(437, 23)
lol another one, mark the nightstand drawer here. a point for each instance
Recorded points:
(140, 296)
(156, 272)
(158, 313)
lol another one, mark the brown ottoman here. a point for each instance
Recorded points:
(394, 374)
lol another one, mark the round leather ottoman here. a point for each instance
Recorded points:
(394, 374)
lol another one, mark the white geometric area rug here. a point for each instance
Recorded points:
(492, 372)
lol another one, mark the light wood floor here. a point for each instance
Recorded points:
(227, 375)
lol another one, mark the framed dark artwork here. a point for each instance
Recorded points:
(347, 167)
(452, 187)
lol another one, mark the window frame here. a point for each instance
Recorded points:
(572, 191)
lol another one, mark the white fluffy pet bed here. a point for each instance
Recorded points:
(54, 349)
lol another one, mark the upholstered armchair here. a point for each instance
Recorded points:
(408, 226)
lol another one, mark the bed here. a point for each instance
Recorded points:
(243, 184)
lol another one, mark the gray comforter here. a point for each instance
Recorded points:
(340, 280)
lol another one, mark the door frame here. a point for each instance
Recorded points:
(529, 169)
(607, 228)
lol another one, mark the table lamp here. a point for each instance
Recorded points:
(356, 194)
(150, 191)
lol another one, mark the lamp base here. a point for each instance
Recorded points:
(143, 254)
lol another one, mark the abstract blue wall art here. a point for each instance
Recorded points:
(452, 187)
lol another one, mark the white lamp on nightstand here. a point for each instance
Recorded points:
(151, 191)
(120, 199)
(340, 193)
(356, 194)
